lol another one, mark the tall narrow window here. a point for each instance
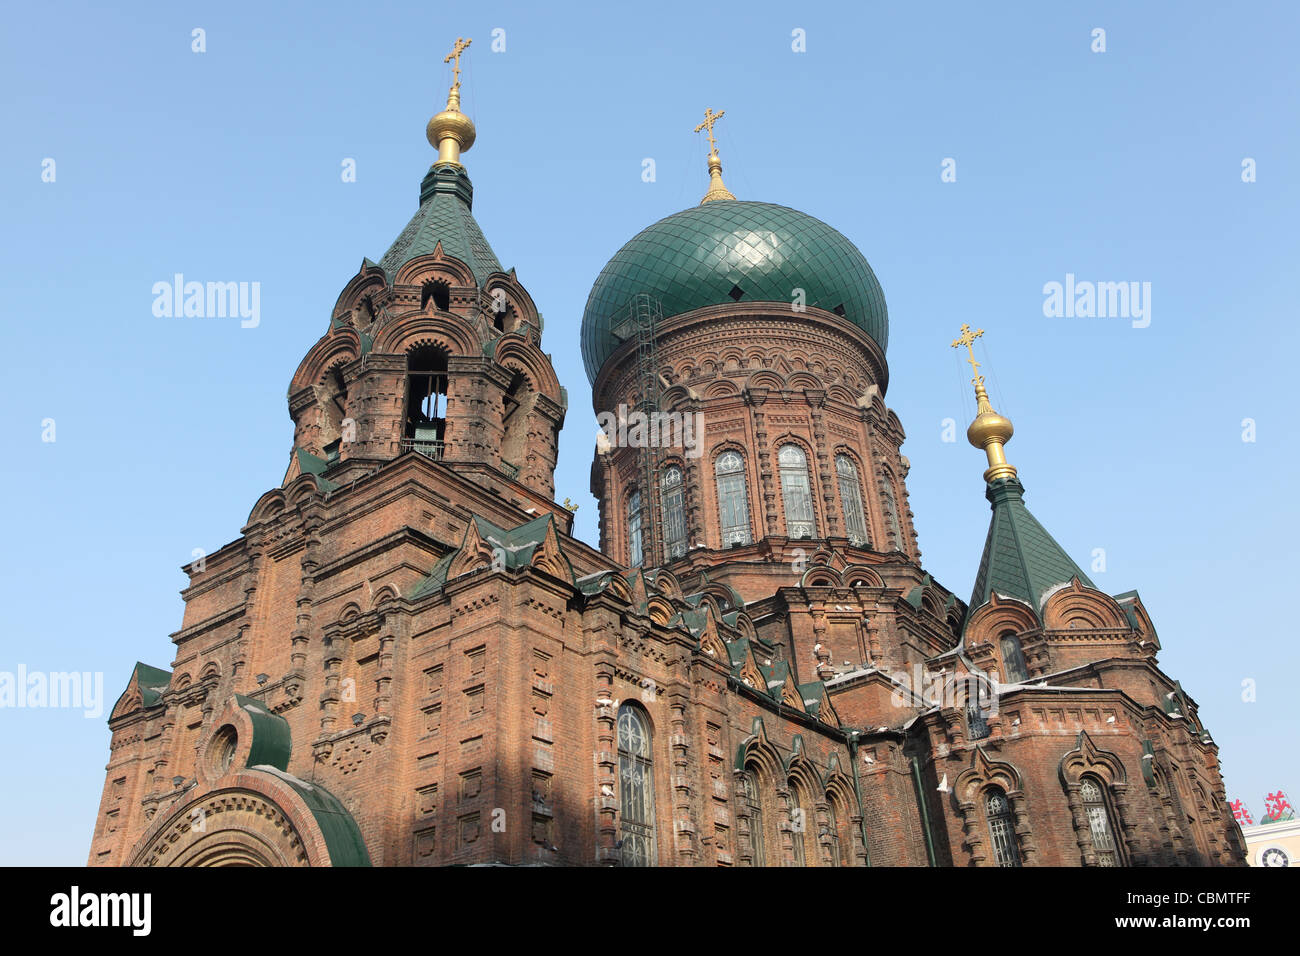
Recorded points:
(798, 825)
(855, 519)
(515, 404)
(1002, 828)
(636, 788)
(426, 401)
(754, 804)
(834, 827)
(1103, 835)
(977, 724)
(796, 492)
(891, 513)
(1013, 659)
(733, 498)
(634, 549)
(672, 496)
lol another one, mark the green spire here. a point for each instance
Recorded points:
(446, 198)
(1021, 560)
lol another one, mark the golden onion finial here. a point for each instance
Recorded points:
(451, 132)
(989, 431)
(716, 188)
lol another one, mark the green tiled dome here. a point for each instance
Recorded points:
(733, 251)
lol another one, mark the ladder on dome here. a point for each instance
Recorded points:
(640, 324)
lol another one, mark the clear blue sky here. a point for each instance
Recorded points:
(1115, 166)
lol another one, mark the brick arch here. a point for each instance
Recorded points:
(723, 388)
(251, 819)
(660, 610)
(367, 283)
(820, 576)
(757, 748)
(433, 266)
(683, 369)
(1074, 605)
(667, 583)
(516, 296)
(968, 793)
(268, 506)
(841, 394)
(413, 330)
(338, 347)
(868, 575)
(744, 627)
(303, 488)
(1000, 614)
(386, 593)
(1088, 760)
(765, 378)
(515, 351)
(932, 602)
(730, 358)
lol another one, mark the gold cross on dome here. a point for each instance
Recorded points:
(967, 338)
(710, 118)
(454, 59)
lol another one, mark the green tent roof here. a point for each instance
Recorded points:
(1021, 560)
(517, 546)
(446, 198)
(732, 251)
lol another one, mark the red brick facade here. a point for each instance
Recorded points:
(455, 686)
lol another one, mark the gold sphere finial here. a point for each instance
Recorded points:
(989, 431)
(717, 190)
(451, 132)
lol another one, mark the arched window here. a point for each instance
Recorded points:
(1013, 659)
(733, 498)
(672, 495)
(796, 492)
(754, 805)
(426, 400)
(1002, 827)
(855, 519)
(634, 549)
(798, 825)
(1103, 834)
(636, 788)
(891, 513)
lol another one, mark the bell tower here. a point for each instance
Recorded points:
(434, 349)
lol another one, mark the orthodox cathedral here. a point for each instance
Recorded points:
(405, 658)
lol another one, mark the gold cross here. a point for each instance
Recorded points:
(710, 118)
(967, 338)
(454, 59)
